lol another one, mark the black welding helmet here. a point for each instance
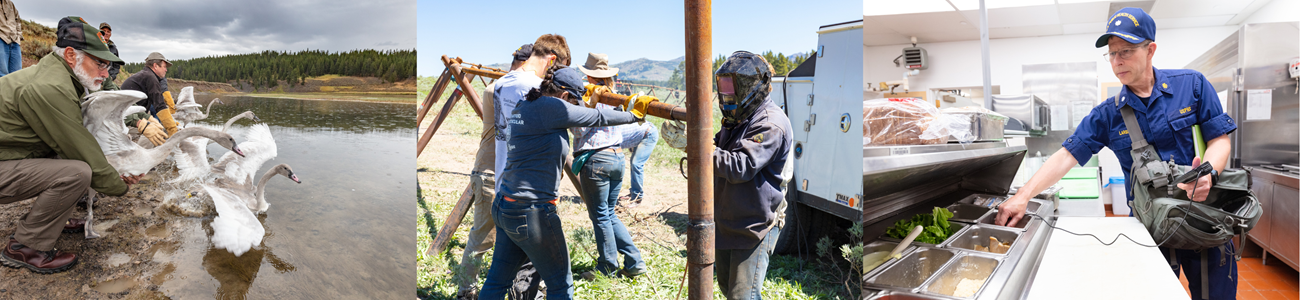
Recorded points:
(743, 82)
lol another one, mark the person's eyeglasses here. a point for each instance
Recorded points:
(103, 64)
(1124, 54)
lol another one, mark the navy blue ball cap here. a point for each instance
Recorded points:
(1131, 24)
(523, 52)
(570, 80)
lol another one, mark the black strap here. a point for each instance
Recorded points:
(1205, 273)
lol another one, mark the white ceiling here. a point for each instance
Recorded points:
(893, 22)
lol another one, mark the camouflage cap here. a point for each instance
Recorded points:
(76, 33)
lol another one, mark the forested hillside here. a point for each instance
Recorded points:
(267, 68)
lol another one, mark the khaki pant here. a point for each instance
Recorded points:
(483, 234)
(57, 184)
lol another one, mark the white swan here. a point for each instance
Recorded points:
(192, 154)
(101, 115)
(236, 227)
(187, 110)
(234, 170)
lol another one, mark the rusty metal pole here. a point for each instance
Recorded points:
(699, 148)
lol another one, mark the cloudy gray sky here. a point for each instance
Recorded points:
(182, 29)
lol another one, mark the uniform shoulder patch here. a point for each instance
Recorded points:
(758, 138)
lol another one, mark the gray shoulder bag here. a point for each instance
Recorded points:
(1175, 221)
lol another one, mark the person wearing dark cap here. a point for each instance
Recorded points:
(11, 31)
(113, 70)
(1166, 104)
(528, 226)
(482, 235)
(750, 169)
(40, 119)
(158, 106)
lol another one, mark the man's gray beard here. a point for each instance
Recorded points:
(86, 81)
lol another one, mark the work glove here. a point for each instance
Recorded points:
(169, 123)
(640, 104)
(171, 104)
(153, 130)
(674, 134)
(589, 99)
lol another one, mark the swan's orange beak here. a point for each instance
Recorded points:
(294, 178)
(237, 151)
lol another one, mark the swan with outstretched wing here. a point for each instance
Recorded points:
(102, 116)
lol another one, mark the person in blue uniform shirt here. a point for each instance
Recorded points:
(1166, 104)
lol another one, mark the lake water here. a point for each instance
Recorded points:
(344, 232)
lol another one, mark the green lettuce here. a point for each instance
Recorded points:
(935, 227)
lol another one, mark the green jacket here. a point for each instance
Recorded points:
(40, 116)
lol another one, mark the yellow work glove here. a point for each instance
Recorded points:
(171, 104)
(151, 129)
(165, 115)
(592, 90)
(640, 104)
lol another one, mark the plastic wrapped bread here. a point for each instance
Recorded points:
(903, 121)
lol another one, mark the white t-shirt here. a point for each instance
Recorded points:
(510, 89)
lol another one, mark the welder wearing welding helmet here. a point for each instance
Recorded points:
(743, 83)
(749, 162)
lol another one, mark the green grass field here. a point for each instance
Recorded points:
(658, 226)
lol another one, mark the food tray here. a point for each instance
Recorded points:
(979, 235)
(914, 269)
(969, 267)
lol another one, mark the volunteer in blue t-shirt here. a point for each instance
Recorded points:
(528, 226)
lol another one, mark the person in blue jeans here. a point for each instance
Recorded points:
(749, 168)
(598, 163)
(524, 208)
(11, 32)
(641, 140)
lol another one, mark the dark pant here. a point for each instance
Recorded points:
(57, 184)
(528, 230)
(601, 178)
(741, 271)
(1222, 267)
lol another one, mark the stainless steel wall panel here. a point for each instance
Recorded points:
(1062, 85)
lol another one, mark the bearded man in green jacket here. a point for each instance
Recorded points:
(46, 152)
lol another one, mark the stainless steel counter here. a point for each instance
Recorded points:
(936, 271)
(1278, 229)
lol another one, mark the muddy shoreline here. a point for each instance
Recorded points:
(119, 265)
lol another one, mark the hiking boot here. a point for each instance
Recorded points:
(630, 201)
(467, 294)
(74, 225)
(632, 273)
(589, 275)
(16, 255)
